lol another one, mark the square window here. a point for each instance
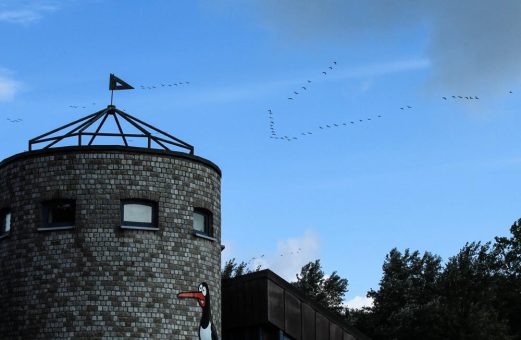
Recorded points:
(58, 213)
(5, 221)
(137, 214)
(202, 220)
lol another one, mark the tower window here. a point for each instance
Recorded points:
(138, 214)
(203, 221)
(58, 214)
(5, 221)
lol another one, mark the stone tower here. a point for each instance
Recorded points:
(96, 241)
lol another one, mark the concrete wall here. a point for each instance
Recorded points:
(98, 280)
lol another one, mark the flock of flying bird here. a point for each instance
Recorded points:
(296, 93)
(275, 135)
(282, 254)
(141, 87)
(14, 121)
(158, 86)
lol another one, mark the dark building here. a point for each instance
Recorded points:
(263, 306)
(96, 241)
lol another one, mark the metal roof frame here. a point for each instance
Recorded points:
(79, 127)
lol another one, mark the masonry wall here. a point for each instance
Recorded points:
(98, 280)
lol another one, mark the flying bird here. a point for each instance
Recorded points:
(304, 87)
(295, 92)
(444, 98)
(324, 72)
(330, 67)
(334, 62)
(309, 81)
(290, 98)
(409, 107)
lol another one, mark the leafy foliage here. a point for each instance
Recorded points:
(327, 291)
(232, 269)
(475, 295)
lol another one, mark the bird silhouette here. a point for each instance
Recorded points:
(409, 107)
(309, 81)
(304, 87)
(295, 92)
(444, 98)
(207, 330)
(334, 62)
(324, 72)
(290, 98)
(330, 67)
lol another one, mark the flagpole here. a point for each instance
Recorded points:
(111, 96)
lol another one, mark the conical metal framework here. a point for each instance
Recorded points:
(79, 127)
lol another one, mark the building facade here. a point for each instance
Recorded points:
(263, 306)
(97, 241)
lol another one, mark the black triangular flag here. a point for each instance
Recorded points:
(118, 84)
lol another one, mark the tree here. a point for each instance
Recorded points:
(327, 291)
(406, 304)
(232, 269)
(507, 274)
(469, 296)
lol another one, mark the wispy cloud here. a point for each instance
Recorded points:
(8, 88)
(26, 12)
(383, 68)
(256, 89)
(359, 302)
(472, 45)
(291, 255)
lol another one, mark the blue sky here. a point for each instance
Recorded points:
(430, 177)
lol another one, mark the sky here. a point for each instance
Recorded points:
(374, 150)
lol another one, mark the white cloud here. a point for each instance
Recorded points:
(8, 88)
(359, 301)
(26, 12)
(291, 255)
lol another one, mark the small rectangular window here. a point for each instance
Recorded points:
(5, 222)
(202, 221)
(138, 214)
(58, 214)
